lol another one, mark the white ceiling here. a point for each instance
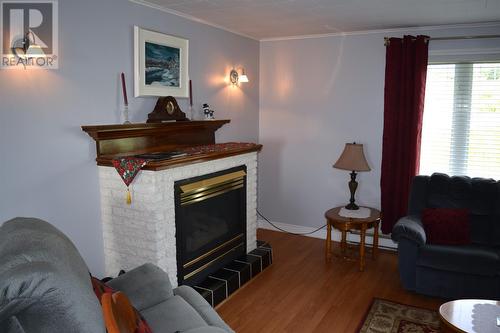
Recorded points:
(262, 19)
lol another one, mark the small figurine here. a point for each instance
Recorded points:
(209, 114)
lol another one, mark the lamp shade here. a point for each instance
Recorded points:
(352, 158)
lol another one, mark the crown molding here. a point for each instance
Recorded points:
(189, 17)
(333, 34)
(386, 31)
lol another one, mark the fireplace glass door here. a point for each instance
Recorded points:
(210, 222)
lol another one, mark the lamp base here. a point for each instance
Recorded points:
(352, 206)
(353, 185)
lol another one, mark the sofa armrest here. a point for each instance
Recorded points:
(409, 227)
(145, 286)
(202, 307)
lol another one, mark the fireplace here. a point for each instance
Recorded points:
(197, 189)
(210, 221)
(145, 231)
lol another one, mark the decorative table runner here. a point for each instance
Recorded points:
(128, 168)
(216, 148)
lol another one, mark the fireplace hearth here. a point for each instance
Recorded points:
(210, 220)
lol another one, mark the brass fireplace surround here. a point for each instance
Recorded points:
(208, 188)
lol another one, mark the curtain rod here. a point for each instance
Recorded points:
(386, 39)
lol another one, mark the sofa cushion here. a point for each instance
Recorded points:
(446, 226)
(479, 195)
(482, 232)
(173, 315)
(468, 259)
(145, 285)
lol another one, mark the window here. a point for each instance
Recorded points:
(461, 125)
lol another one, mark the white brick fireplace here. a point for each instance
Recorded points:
(145, 230)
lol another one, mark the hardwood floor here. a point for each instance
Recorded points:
(301, 292)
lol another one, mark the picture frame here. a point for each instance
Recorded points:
(160, 64)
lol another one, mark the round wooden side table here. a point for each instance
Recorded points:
(470, 315)
(345, 224)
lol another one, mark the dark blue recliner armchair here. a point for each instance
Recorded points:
(451, 271)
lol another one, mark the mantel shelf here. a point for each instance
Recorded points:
(118, 131)
(132, 139)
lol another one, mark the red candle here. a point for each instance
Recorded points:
(124, 88)
(190, 93)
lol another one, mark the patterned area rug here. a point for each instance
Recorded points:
(389, 317)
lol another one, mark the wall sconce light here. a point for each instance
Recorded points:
(26, 48)
(234, 77)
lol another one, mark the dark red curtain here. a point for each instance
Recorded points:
(405, 74)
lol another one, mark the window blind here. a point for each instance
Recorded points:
(461, 125)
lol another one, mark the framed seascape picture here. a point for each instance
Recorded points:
(160, 64)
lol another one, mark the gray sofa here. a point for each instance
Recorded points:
(451, 271)
(45, 287)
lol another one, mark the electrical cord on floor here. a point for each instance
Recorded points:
(289, 232)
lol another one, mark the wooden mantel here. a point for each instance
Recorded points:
(132, 139)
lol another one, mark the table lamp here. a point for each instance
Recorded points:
(352, 158)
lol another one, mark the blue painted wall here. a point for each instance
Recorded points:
(47, 167)
(318, 94)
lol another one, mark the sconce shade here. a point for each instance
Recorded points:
(35, 51)
(352, 158)
(243, 76)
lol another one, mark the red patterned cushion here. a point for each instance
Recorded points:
(101, 288)
(446, 226)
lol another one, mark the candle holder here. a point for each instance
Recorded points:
(125, 115)
(190, 114)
